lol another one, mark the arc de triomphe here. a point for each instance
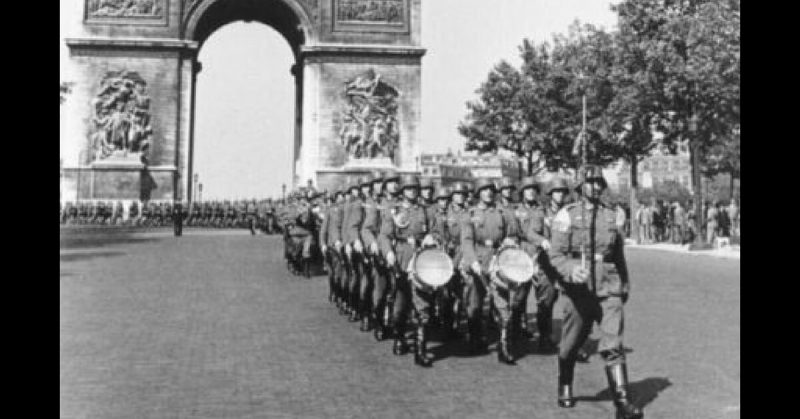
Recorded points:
(130, 115)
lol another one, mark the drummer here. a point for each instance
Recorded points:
(446, 297)
(482, 234)
(402, 232)
(531, 218)
(457, 213)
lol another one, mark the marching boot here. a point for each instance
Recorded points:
(566, 370)
(400, 346)
(380, 330)
(354, 312)
(618, 384)
(544, 325)
(421, 349)
(503, 350)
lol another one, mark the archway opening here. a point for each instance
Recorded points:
(245, 113)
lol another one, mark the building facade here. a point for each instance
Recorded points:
(447, 168)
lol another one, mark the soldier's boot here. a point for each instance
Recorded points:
(503, 348)
(618, 384)
(566, 370)
(366, 317)
(400, 346)
(544, 323)
(421, 348)
(381, 331)
(355, 312)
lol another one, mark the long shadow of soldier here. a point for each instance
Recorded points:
(642, 392)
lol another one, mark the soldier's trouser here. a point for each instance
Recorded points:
(366, 284)
(354, 274)
(402, 300)
(380, 289)
(473, 293)
(581, 311)
(423, 299)
(501, 300)
(305, 245)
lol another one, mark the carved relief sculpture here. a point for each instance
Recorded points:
(371, 11)
(125, 8)
(121, 120)
(369, 126)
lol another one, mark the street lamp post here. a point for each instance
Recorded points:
(200, 192)
(194, 194)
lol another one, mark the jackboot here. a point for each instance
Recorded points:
(566, 370)
(503, 349)
(618, 385)
(420, 352)
(400, 346)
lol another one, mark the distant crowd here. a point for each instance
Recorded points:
(252, 214)
(673, 222)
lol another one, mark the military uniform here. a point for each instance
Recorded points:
(351, 225)
(481, 235)
(532, 222)
(330, 235)
(402, 232)
(586, 234)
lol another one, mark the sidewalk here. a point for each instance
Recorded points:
(728, 252)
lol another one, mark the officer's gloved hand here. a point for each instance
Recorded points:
(358, 247)
(579, 274)
(373, 247)
(338, 246)
(324, 249)
(429, 241)
(545, 244)
(476, 267)
(391, 259)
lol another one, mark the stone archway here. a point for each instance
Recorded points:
(357, 74)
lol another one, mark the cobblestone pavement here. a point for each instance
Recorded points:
(212, 326)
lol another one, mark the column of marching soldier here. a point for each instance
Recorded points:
(250, 214)
(367, 234)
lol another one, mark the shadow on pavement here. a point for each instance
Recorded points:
(77, 238)
(89, 255)
(642, 392)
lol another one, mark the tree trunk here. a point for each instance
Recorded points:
(633, 203)
(699, 197)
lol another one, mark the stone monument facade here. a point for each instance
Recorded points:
(130, 117)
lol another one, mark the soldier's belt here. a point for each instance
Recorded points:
(598, 257)
(487, 244)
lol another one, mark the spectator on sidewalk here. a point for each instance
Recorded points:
(712, 222)
(733, 213)
(678, 223)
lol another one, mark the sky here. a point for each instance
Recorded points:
(245, 93)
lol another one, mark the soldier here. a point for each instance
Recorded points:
(485, 231)
(168, 214)
(383, 294)
(457, 214)
(331, 242)
(177, 219)
(366, 269)
(252, 220)
(531, 217)
(116, 217)
(426, 190)
(438, 216)
(402, 232)
(353, 248)
(370, 229)
(587, 252)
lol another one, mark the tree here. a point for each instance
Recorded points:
(694, 47)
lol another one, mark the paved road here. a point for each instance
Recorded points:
(210, 325)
